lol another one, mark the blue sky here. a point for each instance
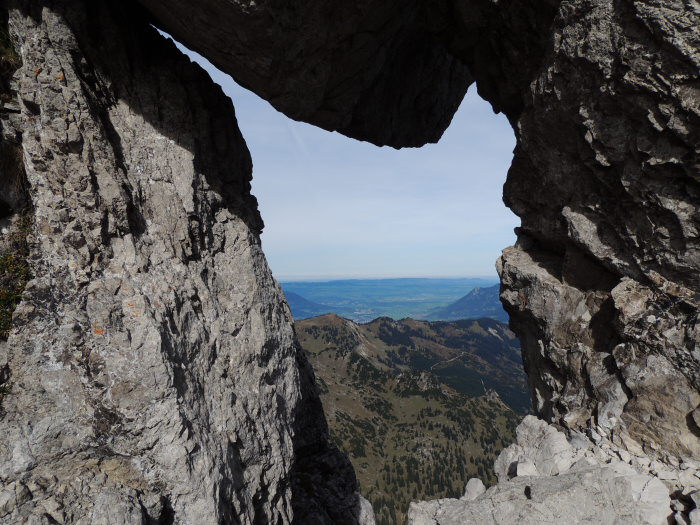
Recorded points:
(338, 208)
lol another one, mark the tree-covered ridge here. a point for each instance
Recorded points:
(409, 435)
(469, 355)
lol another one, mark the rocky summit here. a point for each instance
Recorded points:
(149, 369)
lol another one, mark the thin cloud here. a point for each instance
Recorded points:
(298, 140)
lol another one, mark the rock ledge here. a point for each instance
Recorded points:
(546, 478)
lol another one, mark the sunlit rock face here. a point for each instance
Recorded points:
(154, 372)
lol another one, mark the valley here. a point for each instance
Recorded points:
(363, 300)
(420, 407)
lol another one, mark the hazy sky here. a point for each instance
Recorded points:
(338, 208)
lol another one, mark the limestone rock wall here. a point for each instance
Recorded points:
(544, 479)
(154, 372)
(602, 286)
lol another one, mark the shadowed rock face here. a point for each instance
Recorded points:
(602, 286)
(339, 65)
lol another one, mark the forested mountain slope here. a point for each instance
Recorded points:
(409, 435)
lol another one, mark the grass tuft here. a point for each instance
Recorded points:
(14, 275)
(9, 63)
(12, 165)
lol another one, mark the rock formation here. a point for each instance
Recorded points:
(543, 479)
(339, 65)
(602, 285)
(153, 366)
(155, 376)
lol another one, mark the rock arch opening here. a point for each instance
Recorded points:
(360, 211)
(337, 208)
(122, 146)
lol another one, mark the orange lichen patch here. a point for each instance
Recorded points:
(157, 303)
(99, 331)
(36, 71)
(135, 313)
(523, 301)
(60, 77)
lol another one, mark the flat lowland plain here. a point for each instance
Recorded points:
(363, 300)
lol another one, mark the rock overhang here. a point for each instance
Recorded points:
(342, 66)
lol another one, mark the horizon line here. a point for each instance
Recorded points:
(328, 278)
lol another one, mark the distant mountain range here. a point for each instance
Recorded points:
(303, 308)
(363, 300)
(419, 406)
(480, 302)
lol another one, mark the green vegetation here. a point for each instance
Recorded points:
(16, 212)
(9, 63)
(409, 435)
(14, 274)
(14, 271)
